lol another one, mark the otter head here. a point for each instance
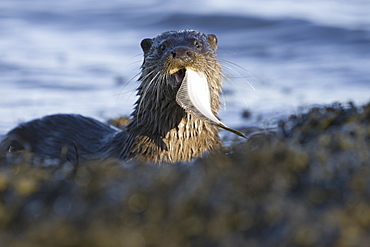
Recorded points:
(184, 65)
(176, 51)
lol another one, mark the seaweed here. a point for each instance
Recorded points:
(305, 184)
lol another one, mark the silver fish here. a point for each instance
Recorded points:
(194, 97)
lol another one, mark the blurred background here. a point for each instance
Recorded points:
(280, 57)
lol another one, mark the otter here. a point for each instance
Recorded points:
(174, 118)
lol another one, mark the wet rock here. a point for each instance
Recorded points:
(305, 184)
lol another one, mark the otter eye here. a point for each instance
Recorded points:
(198, 44)
(162, 47)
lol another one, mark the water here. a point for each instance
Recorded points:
(84, 56)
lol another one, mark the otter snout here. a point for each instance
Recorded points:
(183, 53)
(179, 60)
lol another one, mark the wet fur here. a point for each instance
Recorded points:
(159, 131)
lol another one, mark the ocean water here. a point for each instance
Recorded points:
(279, 57)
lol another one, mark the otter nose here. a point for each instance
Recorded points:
(182, 53)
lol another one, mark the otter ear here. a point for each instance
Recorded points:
(146, 44)
(212, 39)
